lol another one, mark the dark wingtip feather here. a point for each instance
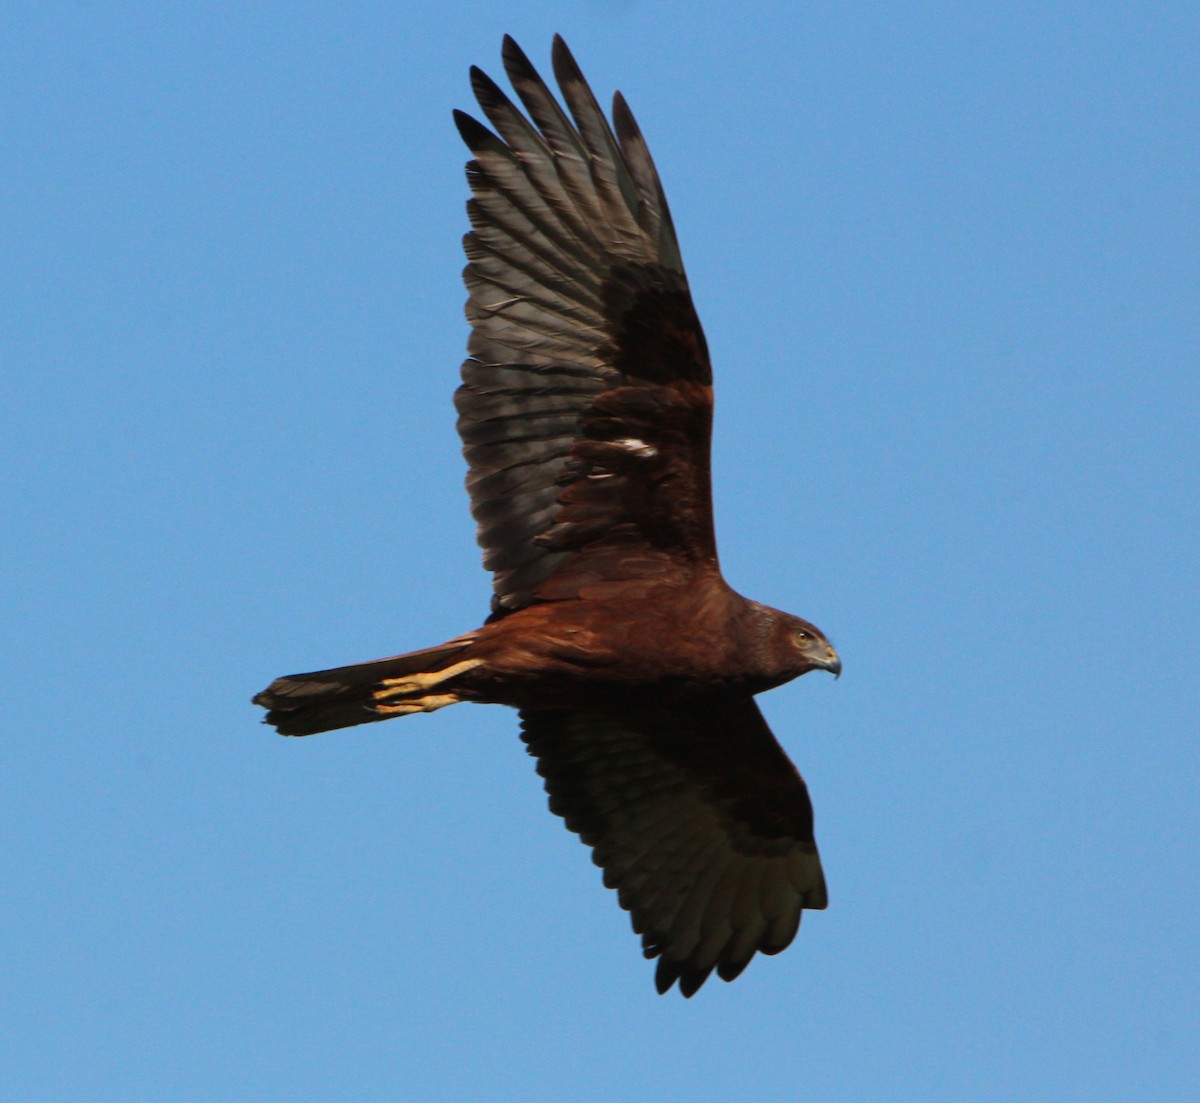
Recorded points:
(514, 57)
(664, 976)
(731, 970)
(690, 979)
(472, 131)
(558, 46)
(484, 87)
(564, 61)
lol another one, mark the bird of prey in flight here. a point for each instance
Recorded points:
(585, 413)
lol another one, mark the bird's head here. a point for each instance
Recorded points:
(782, 647)
(814, 650)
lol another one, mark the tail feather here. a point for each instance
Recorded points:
(323, 700)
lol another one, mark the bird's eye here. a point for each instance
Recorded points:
(804, 635)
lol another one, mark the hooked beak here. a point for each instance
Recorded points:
(829, 661)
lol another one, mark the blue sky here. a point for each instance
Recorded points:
(947, 260)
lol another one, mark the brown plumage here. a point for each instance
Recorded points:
(586, 414)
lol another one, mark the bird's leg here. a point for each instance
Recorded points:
(411, 689)
(420, 704)
(415, 683)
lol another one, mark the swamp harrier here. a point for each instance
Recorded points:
(585, 414)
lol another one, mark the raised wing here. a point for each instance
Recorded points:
(586, 404)
(699, 821)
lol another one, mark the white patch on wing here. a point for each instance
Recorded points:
(638, 447)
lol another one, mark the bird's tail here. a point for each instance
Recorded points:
(304, 704)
